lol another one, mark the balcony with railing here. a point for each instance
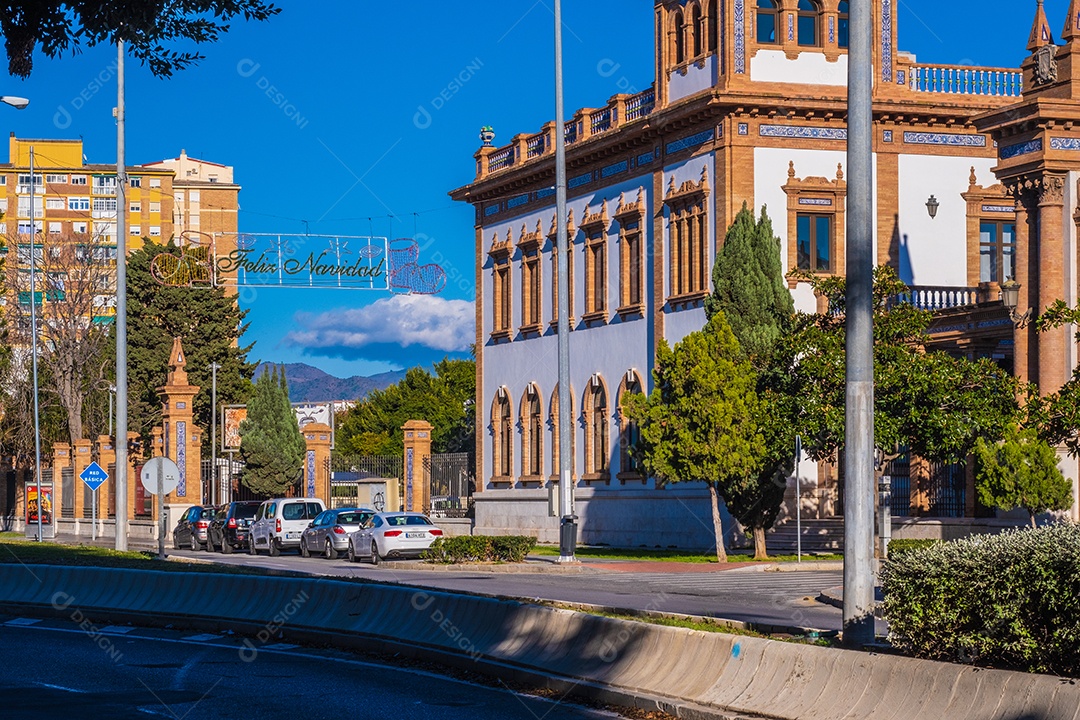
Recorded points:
(621, 111)
(963, 80)
(936, 298)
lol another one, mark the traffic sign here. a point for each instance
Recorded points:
(94, 476)
(160, 468)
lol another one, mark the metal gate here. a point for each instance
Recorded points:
(947, 492)
(451, 479)
(362, 480)
(67, 493)
(900, 472)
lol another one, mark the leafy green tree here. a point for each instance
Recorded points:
(1056, 415)
(935, 404)
(271, 444)
(446, 399)
(55, 26)
(209, 323)
(699, 422)
(749, 288)
(1021, 472)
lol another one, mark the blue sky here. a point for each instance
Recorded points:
(377, 111)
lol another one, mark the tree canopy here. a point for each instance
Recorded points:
(271, 444)
(933, 403)
(699, 423)
(446, 399)
(149, 27)
(1021, 472)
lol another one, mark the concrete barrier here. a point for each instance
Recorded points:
(685, 672)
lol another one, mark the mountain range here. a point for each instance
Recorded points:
(310, 384)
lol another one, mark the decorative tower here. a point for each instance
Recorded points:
(180, 436)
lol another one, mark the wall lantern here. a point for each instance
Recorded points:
(1010, 298)
(932, 206)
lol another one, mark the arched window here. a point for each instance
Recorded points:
(504, 432)
(532, 434)
(809, 12)
(680, 39)
(629, 432)
(596, 425)
(768, 20)
(699, 31)
(713, 24)
(842, 24)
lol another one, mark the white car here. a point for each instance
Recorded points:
(279, 524)
(392, 535)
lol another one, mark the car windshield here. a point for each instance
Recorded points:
(207, 514)
(300, 511)
(245, 512)
(408, 520)
(353, 518)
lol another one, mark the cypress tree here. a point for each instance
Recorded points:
(271, 444)
(210, 323)
(748, 284)
(749, 289)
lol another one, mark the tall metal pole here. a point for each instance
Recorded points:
(214, 490)
(121, 313)
(859, 443)
(568, 524)
(34, 353)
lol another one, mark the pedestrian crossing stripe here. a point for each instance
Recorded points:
(24, 622)
(117, 629)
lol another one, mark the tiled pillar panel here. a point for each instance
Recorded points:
(317, 462)
(1051, 281)
(417, 450)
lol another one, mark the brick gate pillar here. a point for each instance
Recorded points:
(317, 462)
(417, 453)
(106, 453)
(81, 459)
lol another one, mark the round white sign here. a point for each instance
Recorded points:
(163, 469)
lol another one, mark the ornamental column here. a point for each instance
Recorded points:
(180, 434)
(1049, 277)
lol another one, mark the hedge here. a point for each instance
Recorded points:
(899, 547)
(1009, 600)
(480, 548)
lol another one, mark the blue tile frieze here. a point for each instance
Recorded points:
(951, 139)
(740, 37)
(800, 131)
(1024, 148)
(690, 142)
(1061, 143)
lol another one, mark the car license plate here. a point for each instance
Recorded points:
(291, 536)
(416, 535)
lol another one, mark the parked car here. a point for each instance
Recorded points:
(329, 532)
(392, 535)
(190, 531)
(279, 523)
(230, 528)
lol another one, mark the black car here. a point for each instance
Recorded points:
(230, 528)
(190, 532)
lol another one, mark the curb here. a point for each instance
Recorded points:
(689, 673)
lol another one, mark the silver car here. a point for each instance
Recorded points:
(392, 535)
(329, 532)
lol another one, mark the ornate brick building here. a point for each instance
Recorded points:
(974, 185)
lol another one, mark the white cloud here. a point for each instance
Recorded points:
(402, 320)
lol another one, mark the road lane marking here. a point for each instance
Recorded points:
(60, 687)
(206, 637)
(117, 629)
(24, 622)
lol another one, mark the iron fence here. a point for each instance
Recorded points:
(451, 478)
(947, 490)
(67, 493)
(899, 469)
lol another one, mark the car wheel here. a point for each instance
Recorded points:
(194, 543)
(275, 549)
(374, 553)
(226, 547)
(252, 550)
(330, 553)
(175, 542)
(352, 553)
(304, 552)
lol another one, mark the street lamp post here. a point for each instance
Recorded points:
(121, 509)
(34, 353)
(567, 524)
(214, 367)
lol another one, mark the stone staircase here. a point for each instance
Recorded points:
(818, 536)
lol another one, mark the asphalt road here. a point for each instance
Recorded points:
(777, 598)
(59, 670)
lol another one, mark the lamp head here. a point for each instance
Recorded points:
(19, 103)
(932, 206)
